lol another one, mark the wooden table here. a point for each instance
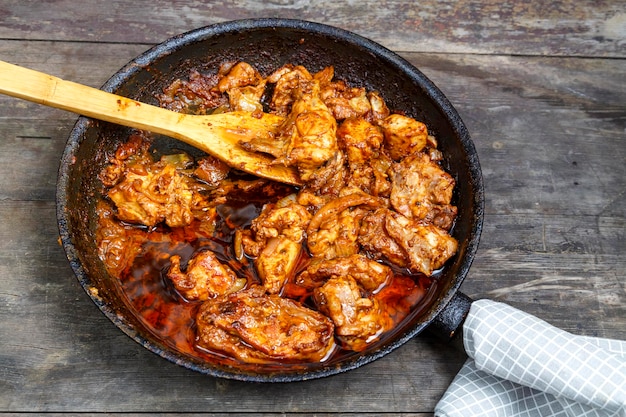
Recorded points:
(542, 88)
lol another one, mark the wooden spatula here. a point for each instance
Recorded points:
(217, 134)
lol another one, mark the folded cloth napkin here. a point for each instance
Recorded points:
(520, 365)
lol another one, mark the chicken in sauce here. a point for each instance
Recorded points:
(266, 272)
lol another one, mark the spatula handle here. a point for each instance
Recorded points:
(55, 92)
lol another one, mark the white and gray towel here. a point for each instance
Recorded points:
(520, 365)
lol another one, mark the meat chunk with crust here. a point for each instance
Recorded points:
(428, 247)
(274, 239)
(406, 243)
(403, 135)
(205, 277)
(309, 133)
(149, 197)
(277, 263)
(361, 141)
(255, 327)
(333, 230)
(371, 275)
(289, 221)
(422, 191)
(359, 320)
(375, 240)
(238, 75)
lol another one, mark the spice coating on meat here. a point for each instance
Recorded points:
(341, 259)
(371, 275)
(255, 326)
(205, 277)
(422, 191)
(359, 319)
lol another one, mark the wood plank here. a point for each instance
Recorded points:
(247, 414)
(561, 27)
(550, 136)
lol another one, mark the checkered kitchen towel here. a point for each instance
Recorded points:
(520, 366)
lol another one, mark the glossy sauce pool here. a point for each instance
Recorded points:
(171, 318)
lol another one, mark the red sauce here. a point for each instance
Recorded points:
(171, 318)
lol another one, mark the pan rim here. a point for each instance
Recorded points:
(201, 34)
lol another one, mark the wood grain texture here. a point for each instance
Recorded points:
(551, 137)
(560, 27)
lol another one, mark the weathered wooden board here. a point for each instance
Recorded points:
(560, 27)
(551, 137)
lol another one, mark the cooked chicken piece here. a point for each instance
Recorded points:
(255, 327)
(289, 221)
(153, 196)
(422, 191)
(309, 133)
(333, 230)
(336, 235)
(211, 170)
(358, 320)
(368, 166)
(118, 245)
(292, 82)
(375, 240)
(196, 95)
(243, 85)
(239, 75)
(428, 247)
(379, 108)
(274, 239)
(205, 277)
(246, 98)
(386, 234)
(345, 102)
(403, 135)
(134, 153)
(342, 100)
(306, 139)
(360, 140)
(277, 263)
(371, 275)
(328, 180)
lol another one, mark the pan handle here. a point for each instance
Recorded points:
(449, 322)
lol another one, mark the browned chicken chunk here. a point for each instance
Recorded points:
(205, 277)
(333, 230)
(358, 320)
(403, 135)
(405, 242)
(150, 197)
(375, 240)
(289, 221)
(291, 83)
(428, 247)
(371, 275)
(310, 135)
(277, 263)
(422, 191)
(368, 166)
(274, 239)
(239, 75)
(255, 327)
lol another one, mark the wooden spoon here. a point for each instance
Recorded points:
(217, 134)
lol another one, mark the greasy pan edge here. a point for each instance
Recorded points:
(434, 94)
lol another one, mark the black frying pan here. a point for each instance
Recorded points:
(268, 44)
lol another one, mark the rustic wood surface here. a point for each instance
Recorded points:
(542, 89)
